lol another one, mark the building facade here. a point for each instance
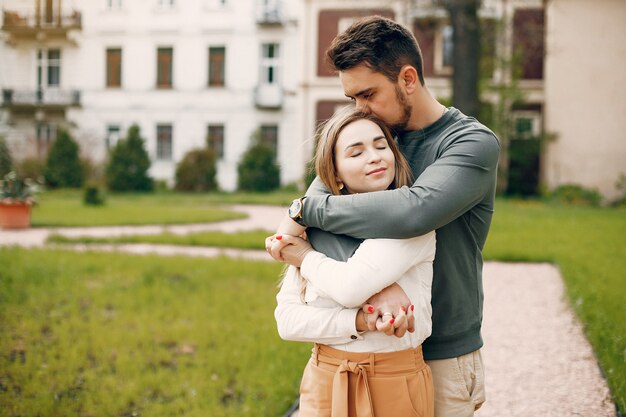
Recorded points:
(190, 73)
(214, 73)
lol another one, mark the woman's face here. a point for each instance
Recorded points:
(363, 159)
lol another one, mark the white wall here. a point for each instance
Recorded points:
(584, 90)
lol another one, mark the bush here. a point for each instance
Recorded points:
(63, 167)
(576, 194)
(93, 196)
(129, 164)
(258, 170)
(309, 173)
(31, 168)
(197, 171)
(6, 162)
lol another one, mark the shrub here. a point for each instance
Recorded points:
(309, 173)
(93, 196)
(63, 167)
(197, 171)
(6, 162)
(258, 170)
(576, 194)
(31, 168)
(129, 163)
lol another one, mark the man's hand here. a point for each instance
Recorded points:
(392, 300)
(287, 227)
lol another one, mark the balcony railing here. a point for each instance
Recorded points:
(40, 98)
(270, 14)
(29, 25)
(268, 96)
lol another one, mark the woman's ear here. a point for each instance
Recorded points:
(408, 78)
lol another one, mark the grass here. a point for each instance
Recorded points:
(243, 240)
(72, 319)
(589, 246)
(86, 334)
(149, 208)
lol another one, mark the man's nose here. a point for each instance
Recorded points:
(361, 106)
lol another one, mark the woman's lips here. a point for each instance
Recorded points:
(376, 171)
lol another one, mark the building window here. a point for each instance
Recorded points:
(114, 68)
(49, 67)
(270, 63)
(164, 142)
(527, 124)
(217, 58)
(444, 50)
(46, 133)
(164, 67)
(447, 46)
(269, 137)
(113, 4)
(215, 140)
(166, 4)
(113, 135)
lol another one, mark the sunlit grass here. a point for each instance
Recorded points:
(242, 240)
(66, 208)
(88, 334)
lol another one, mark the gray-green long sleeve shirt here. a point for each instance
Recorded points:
(455, 163)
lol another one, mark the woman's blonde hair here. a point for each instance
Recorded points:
(327, 135)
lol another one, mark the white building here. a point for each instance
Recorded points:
(186, 72)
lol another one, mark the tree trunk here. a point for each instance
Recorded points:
(466, 39)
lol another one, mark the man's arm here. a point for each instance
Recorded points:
(453, 184)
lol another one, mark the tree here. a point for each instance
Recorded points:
(63, 167)
(465, 24)
(197, 171)
(257, 169)
(129, 164)
(6, 162)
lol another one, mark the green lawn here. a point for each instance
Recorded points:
(589, 247)
(254, 239)
(108, 333)
(87, 334)
(150, 208)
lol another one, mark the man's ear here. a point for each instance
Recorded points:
(408, 78)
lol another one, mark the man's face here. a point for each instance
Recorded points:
(373, 93)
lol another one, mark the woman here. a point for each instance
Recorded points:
(353, 371)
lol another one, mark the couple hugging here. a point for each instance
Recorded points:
(387, 279)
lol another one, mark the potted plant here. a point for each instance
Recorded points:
(17, 196)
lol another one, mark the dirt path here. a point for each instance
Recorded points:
(538, 362)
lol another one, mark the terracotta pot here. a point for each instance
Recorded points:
(15, 215)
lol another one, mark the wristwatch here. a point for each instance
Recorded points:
(295, 210)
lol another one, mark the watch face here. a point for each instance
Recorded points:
(294, 208)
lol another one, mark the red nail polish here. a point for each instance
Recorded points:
(370, 309)
(403, 308)
(279, 237)
(412, 307)
(391, 321)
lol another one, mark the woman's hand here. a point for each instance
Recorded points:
(294, 249)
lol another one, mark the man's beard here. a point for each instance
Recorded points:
(400, 125)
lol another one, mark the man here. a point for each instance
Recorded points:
(454, 159)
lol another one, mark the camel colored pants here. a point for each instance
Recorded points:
(344, 384)
(459, 385)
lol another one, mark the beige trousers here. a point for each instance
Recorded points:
(459, 385)
(343, 384)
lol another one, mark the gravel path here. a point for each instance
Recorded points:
(538, 361)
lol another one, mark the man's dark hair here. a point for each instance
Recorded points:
(380, 43)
